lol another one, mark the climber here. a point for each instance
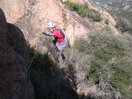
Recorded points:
(59, 39)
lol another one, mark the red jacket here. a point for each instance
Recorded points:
(58, 36)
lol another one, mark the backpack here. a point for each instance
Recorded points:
(62, 33)
(55, 40)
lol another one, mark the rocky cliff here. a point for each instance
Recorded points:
(32, 17)
(14, 83)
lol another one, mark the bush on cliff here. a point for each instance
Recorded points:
(84, 11)
(105, 55)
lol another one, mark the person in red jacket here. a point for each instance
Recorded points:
(59, 39)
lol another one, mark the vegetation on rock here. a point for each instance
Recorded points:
(106, 55)
(84, 11)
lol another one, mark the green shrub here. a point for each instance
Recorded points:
(40, 68)
(121, 79)
(84, 11)
(46, 41)
(41, 61)
(124, 25)
(109, 52)
(106, 21)
(72, 6)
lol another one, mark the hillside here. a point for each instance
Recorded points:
(121, 10)
(98, 61)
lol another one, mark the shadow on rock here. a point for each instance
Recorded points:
(14, 82)
(50, 81)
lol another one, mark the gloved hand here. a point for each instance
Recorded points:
(46, 33)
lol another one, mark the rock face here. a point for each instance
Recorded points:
(34, 15)
(14, 9)
(13, 65)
